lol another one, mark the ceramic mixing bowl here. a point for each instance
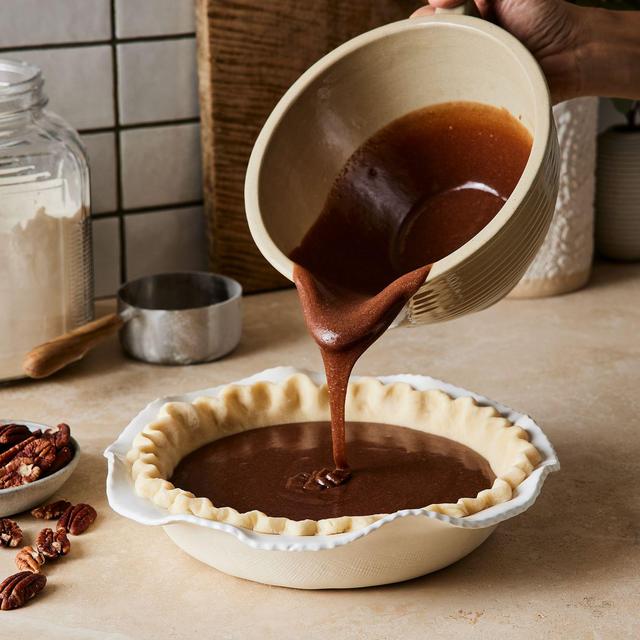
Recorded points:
(402, 545)
(373, 79)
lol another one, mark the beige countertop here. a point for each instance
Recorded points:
(568, 568)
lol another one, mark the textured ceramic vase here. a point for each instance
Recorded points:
(618, 194)
(563, 263)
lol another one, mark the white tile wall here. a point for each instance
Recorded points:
(165, 241)
(101, 148)
(78, 81)
(153, 17)
(106, 255)
(160, 165)
(157, 81)
(31, 22)
(145, 171)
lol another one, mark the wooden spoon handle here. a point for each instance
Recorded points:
(52, 356)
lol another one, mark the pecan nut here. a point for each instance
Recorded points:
(29, 559)
(11, 434)
(12, 452)
(30, 463)
(41, 452)
(63, 458)
(53, 544)
(19, 471)
(10, 533)
(76, 520)
(51, 511)
(18, 589)
(60, 436)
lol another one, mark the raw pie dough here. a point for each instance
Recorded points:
(182, 427)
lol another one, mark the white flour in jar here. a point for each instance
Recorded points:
(44, 288)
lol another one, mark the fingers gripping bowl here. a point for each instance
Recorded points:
(343, 553)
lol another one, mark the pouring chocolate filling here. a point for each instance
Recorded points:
(413, 193)
(410, 195)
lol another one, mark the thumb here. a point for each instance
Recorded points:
(446, 4)
(485, 7)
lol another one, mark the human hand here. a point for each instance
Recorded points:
(551, 29)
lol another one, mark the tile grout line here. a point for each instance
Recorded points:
(116, 115)
(149, 209)
(96, 43)
(140, 125)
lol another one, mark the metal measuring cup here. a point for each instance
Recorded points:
(169, 318)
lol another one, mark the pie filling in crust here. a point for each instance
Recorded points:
(392, 468)
(244, 457)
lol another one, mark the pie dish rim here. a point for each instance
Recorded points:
(124, 500)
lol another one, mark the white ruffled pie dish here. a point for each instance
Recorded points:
(390, 548)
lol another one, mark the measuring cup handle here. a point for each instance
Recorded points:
(467, 8)
(52, 356)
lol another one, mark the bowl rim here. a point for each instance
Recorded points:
(68, 468)
(543, 124)
(124, 501)
(234, 286)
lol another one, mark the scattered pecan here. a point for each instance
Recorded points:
(76, 520)
(60, 436)
(18, 589)
(53, 544)
(51, 511)
(11, 434)
(29, 559)
(63, 458)
(10, 533)
(11, 453)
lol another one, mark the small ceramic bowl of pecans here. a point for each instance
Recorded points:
(35, 461)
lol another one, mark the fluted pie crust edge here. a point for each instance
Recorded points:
(183, 427)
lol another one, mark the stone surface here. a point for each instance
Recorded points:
(568, 568)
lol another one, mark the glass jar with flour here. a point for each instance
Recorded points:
(46, 279)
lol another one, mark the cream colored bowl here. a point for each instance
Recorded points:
(373, 79)
(401, 545)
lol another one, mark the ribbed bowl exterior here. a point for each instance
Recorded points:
(497, 266)
(618, 195)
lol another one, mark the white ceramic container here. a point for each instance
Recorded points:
(27, 496)
(400, 546)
